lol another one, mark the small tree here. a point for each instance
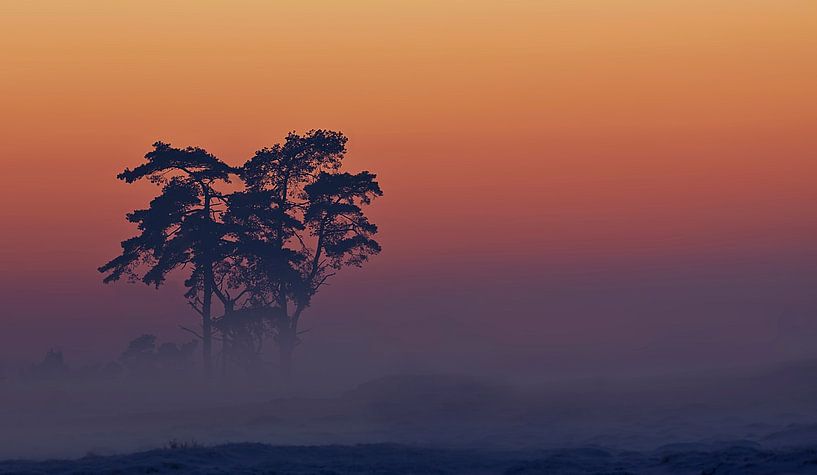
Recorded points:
(181, 228)
(52, 366)
(143, 357)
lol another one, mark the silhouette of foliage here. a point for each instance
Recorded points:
(52, 366)
(300, 218)
(180, 228)
(142, 357)
(263, 250)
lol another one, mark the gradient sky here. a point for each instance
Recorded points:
(618, 182)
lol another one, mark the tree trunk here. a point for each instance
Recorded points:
(207, 298)
(206, 321)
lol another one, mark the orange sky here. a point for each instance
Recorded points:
(551, 131)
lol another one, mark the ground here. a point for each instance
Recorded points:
(746, 458)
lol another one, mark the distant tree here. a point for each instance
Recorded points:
(299, 219)
(52, 366)
(139, 356)
(181, 228)
(143, 357)
(175, 358)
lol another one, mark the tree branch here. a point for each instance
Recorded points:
(191, 331)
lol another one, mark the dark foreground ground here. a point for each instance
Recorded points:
(739, 458)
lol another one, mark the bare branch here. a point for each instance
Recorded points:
(191, 331)
(199, 311)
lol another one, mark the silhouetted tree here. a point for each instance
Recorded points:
(263, 251)
(299, 219)
(181, 228)
(52, 366)
(138, 357)
(143, 357)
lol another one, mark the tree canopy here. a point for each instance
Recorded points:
(263, 249)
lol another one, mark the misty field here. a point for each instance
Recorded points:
(729, 422)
